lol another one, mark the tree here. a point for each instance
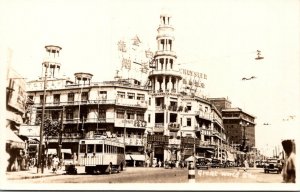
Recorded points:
(51, 127)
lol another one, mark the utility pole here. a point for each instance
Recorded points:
(125, 116)
(40, 167)
(60, 134)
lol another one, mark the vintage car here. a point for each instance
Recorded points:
(202, 163)
(273, 165)
(216, 163)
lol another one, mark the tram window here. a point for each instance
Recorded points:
(99, 148)
(83, 148)
(105, 148)
(90, 148)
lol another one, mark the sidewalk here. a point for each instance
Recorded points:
(32, 173)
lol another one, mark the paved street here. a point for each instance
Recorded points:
(161, 175)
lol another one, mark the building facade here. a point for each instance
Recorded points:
(15, 110)
(86, 109)
(164, 118)
(239, 125)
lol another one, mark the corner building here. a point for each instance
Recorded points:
(88, 109)
(179, 118)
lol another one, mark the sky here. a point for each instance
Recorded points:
(219, 38)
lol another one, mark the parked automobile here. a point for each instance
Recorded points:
(215, 163)
(202, 163)
(273, 165)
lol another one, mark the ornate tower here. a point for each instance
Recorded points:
(165, 75)
(165, 78)
(51, 61)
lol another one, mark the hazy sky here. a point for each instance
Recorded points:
(216, 37)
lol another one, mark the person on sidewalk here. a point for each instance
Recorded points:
(246, 165)
(55, 163)
(289, 167)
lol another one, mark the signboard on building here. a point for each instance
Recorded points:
(158, 139)
(16, 94)
(193, 79)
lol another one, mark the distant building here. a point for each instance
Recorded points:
(235, 120)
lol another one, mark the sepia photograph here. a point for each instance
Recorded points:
(149, 95)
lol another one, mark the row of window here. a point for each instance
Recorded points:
(130, 115)
(84, 96)
(131, 95)
(100, 148)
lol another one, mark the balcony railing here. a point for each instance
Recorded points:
(159, 125)
(119, 101)
(205, 115)
(131, 102)
(170, 72)
(174, 126)
(217, 119)
(158, 130)
(206, 132)
(89, 120)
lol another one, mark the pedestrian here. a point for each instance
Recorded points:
(246, 165)
(289, 167)
(55, 162)
(159, 163)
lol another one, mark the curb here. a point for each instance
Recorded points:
(30, 177)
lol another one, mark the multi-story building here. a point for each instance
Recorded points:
(179, 117)
(87, 109)
(239, 125)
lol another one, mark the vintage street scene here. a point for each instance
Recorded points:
(163, 92)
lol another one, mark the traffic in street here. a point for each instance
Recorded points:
(162, 175)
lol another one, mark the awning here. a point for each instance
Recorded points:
(33, 141)
(191, 158)
(127, 157)
(52, 151)
(66, 151)
(138, 157)
(210, 151)
(14, 140)
(130, 157)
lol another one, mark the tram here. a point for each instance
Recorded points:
(101, 155)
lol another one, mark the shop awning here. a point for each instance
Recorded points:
(52, 151)
(66, 151)
(191, 158)
(138, 157)
(127, 157)
(14, 140)
(130, 157)
(33, 141)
